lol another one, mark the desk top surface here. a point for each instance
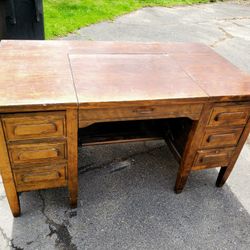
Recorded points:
(49, 73)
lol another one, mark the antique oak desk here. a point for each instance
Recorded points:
(55, 95)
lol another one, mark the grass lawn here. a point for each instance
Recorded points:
(65, 16)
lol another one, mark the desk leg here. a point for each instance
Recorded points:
(72, 135)
(193, 143)
(226, 171)
(7, 176)
(187, 160)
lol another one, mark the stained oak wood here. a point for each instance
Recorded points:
(34, 125)
(176, 134)
(212, 158)
(72, 150)
(229, 115)
(89, 82)
(129, 77)
(191, 147)
(35, 177)
(190, 110)
(31, 80)
(106, 47)
(221, 137)
(7, 176)
(219, 78)
(37, 152)
(226, 170)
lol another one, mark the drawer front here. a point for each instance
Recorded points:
(34, 126)
(141, 112)
(229, 115)
(219, 138)
(40, 177)
(212, 158)
(31, 153)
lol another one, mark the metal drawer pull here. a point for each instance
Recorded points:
(144, 111)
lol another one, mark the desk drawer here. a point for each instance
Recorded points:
(141, 112)
(40, 177)
(31, 153)
(229, 115)
(212, 158)
(221, 137)
(34, 125)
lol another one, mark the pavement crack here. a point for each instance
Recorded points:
(5, 235)
(226, 36)
(64, 239)
(14, 246)
(9, 241)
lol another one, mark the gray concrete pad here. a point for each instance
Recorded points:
(126, 198)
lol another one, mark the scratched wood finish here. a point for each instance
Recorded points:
(129, 77)
(89, 82)
(104, 47)
(35, 81)
(194, 59)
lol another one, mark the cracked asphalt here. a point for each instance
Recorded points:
(126, 198)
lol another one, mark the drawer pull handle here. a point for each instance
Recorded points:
(144, 111)
(45, 176)
(220, 137)
(227, 116)
(38, 154)
(35, 129)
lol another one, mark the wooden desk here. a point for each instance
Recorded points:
(50, 90)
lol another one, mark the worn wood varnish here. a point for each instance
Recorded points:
(199, 102)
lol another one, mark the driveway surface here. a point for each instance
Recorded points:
(126, 198)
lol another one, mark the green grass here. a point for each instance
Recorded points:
(65, 16)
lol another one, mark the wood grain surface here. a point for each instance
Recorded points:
(51, 89)
(38, 73)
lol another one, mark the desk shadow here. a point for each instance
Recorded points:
(126, 201)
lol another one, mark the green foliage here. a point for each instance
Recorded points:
(65, 16)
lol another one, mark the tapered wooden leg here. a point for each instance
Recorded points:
(72, 135)
(180, 182)
(7, 176)
(13, 200)
(192, 145)
(222, 177)
(226, 171)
